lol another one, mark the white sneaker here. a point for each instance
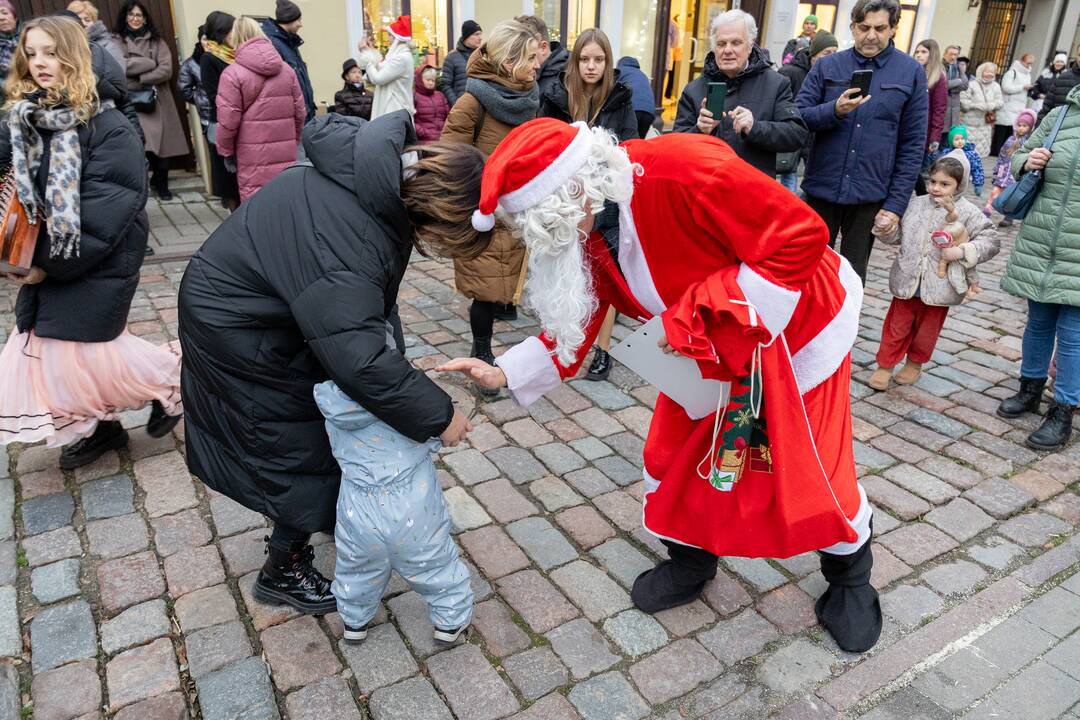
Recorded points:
(354, 636)
(451, 636)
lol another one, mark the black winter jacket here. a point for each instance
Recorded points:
(552, 70)
(294, 288)
(211, 68)
(796, 70)
(617, 114)
(353, 101)
(288, 46)
(452, 82)
(778, 126)
(87, 298)
(1056, 88)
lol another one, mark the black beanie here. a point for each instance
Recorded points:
(286, 12)
(469, 28)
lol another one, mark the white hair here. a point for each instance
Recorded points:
(558, 285)
(733, 16)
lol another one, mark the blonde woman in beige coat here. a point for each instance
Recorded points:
(983, 96)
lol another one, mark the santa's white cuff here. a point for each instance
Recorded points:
(774, 304)
(530, 370)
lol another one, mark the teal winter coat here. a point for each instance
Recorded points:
(1045, 263)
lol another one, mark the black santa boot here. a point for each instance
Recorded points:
(676, 581)
(288, 577)
(849, 608)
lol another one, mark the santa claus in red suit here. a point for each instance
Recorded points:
(740, 272)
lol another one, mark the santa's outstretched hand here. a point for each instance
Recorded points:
(485, 375)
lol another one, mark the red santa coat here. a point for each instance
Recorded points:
(740, 271)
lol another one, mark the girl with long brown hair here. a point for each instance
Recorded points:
(70, 367)
(928, 54)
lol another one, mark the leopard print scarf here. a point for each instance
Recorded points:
(60, 206)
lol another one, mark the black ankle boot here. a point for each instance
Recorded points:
(108, 435)
(288, 577)
(601, 365)
(676, 581)
(506, 312)
(1025, 401)
(1056, 428)
(481, 349)
(849, 608)
(159, 425)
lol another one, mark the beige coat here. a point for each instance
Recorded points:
(494, 276)
(979, 99)
(150, 64)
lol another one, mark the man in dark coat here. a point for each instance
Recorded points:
(452, 82)
(823, 45)
(644, 100)
(296, 287)
(760, 118)
(282, 31)
(553, 56)
(1058, 87)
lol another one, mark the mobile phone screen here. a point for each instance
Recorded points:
(861, 79)
(717, 92)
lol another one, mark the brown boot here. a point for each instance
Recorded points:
(909, 373)
(880, 379)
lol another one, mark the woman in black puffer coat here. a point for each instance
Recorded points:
(71, 367)
(300, 286)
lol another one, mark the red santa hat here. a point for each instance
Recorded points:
(401, 28)
(533, 161)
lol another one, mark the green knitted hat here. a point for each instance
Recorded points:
(957, 130)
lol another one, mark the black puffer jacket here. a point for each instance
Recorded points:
(353, 101)
(778, 127)
(296, 287)
(617, 114)
(452, 82)
(1058, 87)
(87, 298)
(552, 70)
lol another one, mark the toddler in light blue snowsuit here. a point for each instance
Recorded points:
(390, 515)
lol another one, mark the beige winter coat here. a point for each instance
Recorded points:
(149, 63)
(979, 99)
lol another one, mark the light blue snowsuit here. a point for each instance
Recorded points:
(390, 515)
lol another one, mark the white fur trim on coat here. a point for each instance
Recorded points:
(773, 303)
(530, 370)
(860, 523)
(554, 176)
(818, 359)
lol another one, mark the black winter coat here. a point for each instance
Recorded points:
(353, 101)
(87, 298)
(778, 127)
(617, 114)
(797, 70)
(1057, 87)
(297, 287)
(552, 70)
(452, 82)
(210, 69)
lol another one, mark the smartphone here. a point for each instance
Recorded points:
(716, 93)
(861, 79)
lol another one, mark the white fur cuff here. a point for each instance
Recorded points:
(774, 304)
(530, 370)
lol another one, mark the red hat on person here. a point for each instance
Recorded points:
(533, 161)
(401, 28)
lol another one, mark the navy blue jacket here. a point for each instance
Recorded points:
(288, 46)
(874, 153)
(630, 73)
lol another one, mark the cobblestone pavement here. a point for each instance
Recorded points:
(125, 587)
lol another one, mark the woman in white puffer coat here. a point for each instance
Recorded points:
(392, 75)
(982, 96)
(1015, 84)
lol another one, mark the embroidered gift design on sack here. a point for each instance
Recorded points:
(745, 439)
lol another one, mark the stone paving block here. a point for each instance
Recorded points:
(215, 647)
(724, 595)
(193, 570)
(206, 607)
(1066, 656)
(47, 512)
(788, 608)
(1000, 498)
(142, 673)
(465, 513)
(796, 668)
(757, 572)
(166, 482)
(43, 482)
(921, 483)
(604, 394)
(60, 580)
(471, 686)
(66, 692)
(608, 696)
(117, 536)
(1040, 692)
(51, 546)
(1039, 484)
(559, 458)
(1012, 645)
(591, 589)
(802, 565)
(535, 672)
(108, 497)
(581, 648)
(129, 580)
(917, 543)
(1034, 529)
(954, 578)
(907, 704)
(493, 551)
(538, 602)
(471, 467)
(10, 695)
(1057, 612)
(585, 525)
(298, 653)
(503, 501)
(517, 464)
(380, 660)
(230, 517)
(8, 563)
(527, 433)
(635, 633)
(983, 461)
(959, 518)
(411, 613)
(622, 509)
(954, 473)
(492, 619)
(903, 504)
(554, 494)
(673, 671)
(685, 619)
(415, 699)
(244, 553)
(264, 615)
(872, 458)
(590, 482)
(187, 529)
(327, 698)
(911, 604)
(997, 552)
(542, 542)
(240, 690)
(738, 637)
(135, 626)
(597, 423)
(620, 471)
(621, 561)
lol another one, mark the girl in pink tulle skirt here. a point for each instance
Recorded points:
(70, 367)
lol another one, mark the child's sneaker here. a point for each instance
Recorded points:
(450, 636)
(355, 636)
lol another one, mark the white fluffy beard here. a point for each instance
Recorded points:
(559, 289)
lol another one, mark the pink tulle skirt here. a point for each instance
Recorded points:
(58, 390)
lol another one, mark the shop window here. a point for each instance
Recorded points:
(826, 15)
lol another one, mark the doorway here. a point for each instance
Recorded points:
(688, 45)
(996, 32)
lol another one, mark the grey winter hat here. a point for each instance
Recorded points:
(286, 12)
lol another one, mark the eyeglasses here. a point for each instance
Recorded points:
(136, 14)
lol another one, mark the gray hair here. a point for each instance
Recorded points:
(731, 16)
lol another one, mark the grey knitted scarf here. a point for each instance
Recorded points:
(512, 107)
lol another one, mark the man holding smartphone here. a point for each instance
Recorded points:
(868, 146)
